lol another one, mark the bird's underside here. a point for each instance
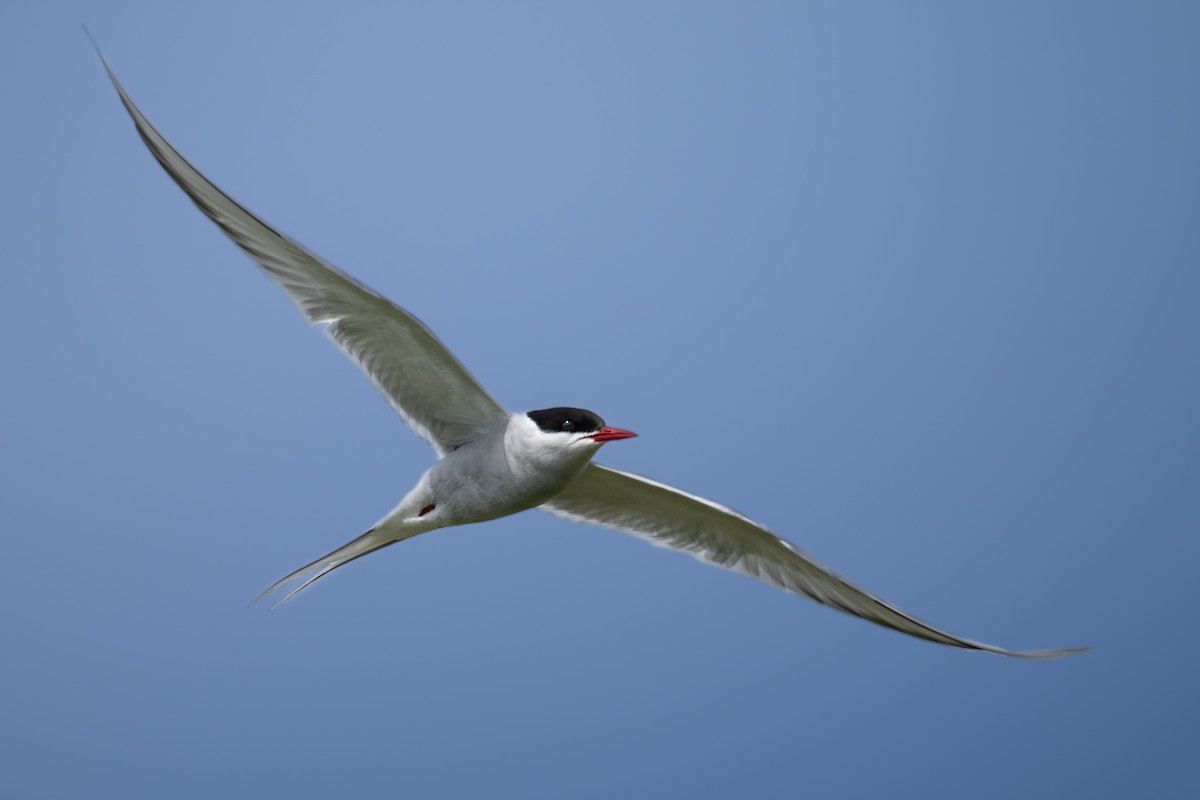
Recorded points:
(447, 407)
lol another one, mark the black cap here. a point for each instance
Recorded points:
(566, 420)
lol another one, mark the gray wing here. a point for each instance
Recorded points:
(427, 385)
(717, 535)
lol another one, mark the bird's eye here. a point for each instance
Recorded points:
(568, 425)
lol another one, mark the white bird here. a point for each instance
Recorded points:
(492, 463)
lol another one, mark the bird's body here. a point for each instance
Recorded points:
(501, 473)
(492, 462)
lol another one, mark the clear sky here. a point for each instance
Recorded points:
(913, 284)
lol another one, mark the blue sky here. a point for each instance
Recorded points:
(913, 284)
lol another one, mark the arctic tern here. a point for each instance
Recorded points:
(492, 463)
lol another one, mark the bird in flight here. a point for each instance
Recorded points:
(492, 462)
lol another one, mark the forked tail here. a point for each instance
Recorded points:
(369, 542)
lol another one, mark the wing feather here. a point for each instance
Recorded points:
(421, 379)
(717, 535)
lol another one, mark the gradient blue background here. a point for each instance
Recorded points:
(914, 284)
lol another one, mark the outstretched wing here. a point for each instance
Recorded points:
(427, 385)
(717, 535)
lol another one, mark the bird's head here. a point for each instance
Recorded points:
(557, 441)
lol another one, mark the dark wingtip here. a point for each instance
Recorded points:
(92, 39)
(1058, 652)
(99, 52)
